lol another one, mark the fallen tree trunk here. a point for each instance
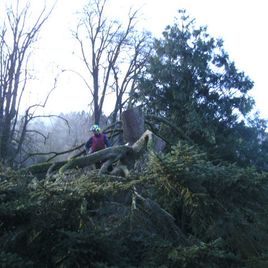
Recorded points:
(124, 155)
(114, 153)
(41, 169)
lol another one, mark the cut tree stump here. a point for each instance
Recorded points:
(133, 124)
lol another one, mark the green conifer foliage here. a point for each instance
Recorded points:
(192, 83)
(214, 202)
(181, 211)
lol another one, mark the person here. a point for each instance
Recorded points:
(98, 141)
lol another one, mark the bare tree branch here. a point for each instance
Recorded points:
(54, 154)
(16, 39)
(107, 47)
(83, 78)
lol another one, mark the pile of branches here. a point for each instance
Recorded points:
(180, 211)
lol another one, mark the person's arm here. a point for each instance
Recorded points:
(106, 141)
(88, 144)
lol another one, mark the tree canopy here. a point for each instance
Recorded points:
(191, 81)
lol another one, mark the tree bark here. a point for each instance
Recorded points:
(133, 124)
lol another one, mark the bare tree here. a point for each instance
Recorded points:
(16, 40)
(125, 79)
(112, 52)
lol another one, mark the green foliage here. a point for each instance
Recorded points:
(63, 222)
(182, 211)
(214, 201)
(13, 260)
(192, 83)
(201, 255)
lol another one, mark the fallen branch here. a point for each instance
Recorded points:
(148, 214)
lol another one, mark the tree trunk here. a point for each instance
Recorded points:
(133, 124)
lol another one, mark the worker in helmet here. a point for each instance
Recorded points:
(98, 141)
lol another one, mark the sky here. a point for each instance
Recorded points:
(240, 23)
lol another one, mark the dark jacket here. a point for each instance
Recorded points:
(97, 142)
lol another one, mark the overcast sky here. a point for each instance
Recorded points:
(242, 24)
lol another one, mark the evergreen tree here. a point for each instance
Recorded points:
(192, 82)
